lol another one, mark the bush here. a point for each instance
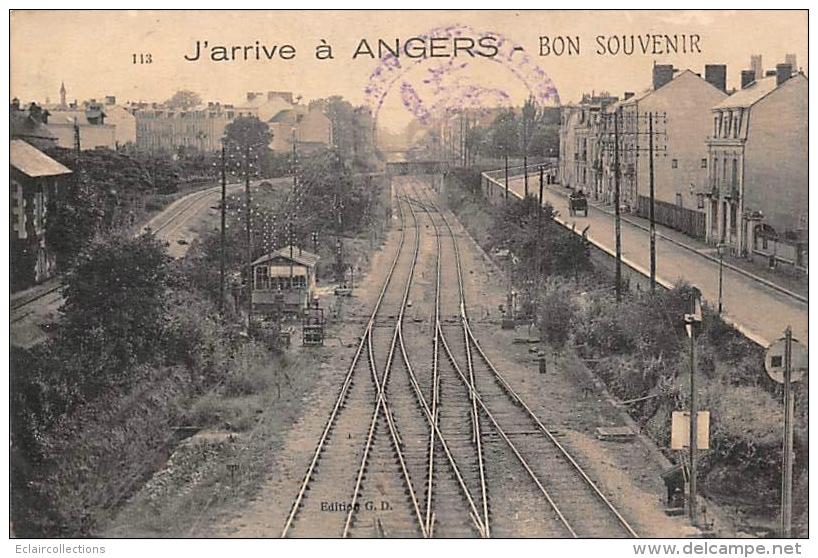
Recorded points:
(556, 314)
(192, 335)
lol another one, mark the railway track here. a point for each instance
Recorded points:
(352, 429)
(577, 506)
(427, 437)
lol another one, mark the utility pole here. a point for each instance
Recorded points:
(223, 237)
(692, 323)
(617, 221)
(248, 237)
(506, 171)
(542, 172)
(633, 147)
(652, 219)
(789, 416)
(295, 167)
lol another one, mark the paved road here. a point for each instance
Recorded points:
(760, 311)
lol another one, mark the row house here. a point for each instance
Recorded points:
(581, 125)
(757, 196)
(159, 127)
(680, 103)
(162, 128)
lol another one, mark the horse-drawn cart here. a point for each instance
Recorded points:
(578, 202)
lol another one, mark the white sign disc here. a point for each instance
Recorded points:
(774, 361)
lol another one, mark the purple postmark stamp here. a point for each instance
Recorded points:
(451, 84)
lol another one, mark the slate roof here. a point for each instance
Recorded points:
(22, 125)
(32, 162)
(751, 94)
(300, 256)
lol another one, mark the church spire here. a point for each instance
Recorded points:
(62, 95)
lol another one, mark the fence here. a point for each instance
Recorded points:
(688, 221)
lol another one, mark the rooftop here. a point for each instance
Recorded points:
(753, 93)
(32, 162)
(299, 256)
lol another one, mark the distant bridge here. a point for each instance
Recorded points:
(416, 167)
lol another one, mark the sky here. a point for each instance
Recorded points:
(92, 52)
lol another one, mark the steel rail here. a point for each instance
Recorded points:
(185, 204)
(507, 387)
(383, 405)
(519, 400)
(474, 514)
(508, 441)
(476, 435)
(347, 381)
(379, 404)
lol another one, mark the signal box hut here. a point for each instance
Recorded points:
(284, 282)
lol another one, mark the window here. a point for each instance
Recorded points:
(716, 127)
(734, 177)
(704, 163)
(679, 200)
(674, 163)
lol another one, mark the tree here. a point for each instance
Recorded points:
(184, 99)
(351, 129)
(247, 132)
(530, 121)
(115, 300)
(504, 137)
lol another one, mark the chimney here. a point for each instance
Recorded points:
(15, 104)
(783, 72)
(716, 75)
(662, 74)
(250, 96)
(110, 100)
(628, 95)
(747, 78)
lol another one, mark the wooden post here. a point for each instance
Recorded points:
(617, 223)
(652, 202)
(223, 235)
(789, 412)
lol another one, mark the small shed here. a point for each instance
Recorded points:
(284, 281)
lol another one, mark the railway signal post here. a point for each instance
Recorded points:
(786, 362)
(693, 323)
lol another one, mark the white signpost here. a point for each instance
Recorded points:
(786, 362)
(680, 430)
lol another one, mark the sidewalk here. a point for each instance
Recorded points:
(757, 306)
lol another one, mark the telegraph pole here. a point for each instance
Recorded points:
(248, 237)
(652, 219)
(617, 223)
(692, 323)
(506, 171)
(223, 236)
(542, 172)
(789, 412)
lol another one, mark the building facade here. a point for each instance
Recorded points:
(161, 128)
(757, 148)
(680, 105)
(33, 183)
(581, 136)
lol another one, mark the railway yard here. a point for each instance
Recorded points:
(432, 422)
